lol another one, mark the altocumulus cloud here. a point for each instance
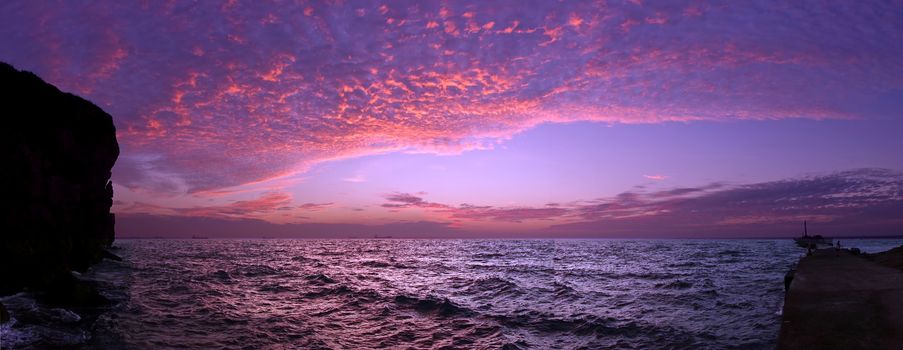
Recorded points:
(209, 95)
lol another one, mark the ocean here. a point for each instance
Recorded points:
(425, 294)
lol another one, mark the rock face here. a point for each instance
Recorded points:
(57, 153)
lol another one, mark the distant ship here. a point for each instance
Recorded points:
(807, 241)
(200, 237)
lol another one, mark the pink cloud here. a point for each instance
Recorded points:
(355, 178)
(399, 200)
(266, 203)
(474, 212)
(315, 206)
(234, 95)
(516, 214)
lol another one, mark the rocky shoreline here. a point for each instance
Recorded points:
(58, 153)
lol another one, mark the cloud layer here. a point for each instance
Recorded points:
(209, 95)
(857, 202)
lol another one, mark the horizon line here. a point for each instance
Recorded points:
(900, 236)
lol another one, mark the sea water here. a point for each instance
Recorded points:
(421, 294)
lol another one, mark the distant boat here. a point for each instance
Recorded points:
(807, 241)
(199, 237)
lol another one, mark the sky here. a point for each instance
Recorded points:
(486, 119)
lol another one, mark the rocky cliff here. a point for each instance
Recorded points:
(55, 191)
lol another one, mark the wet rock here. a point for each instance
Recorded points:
(72, 292)
(106, 254)
(4, 315)
(57, 154)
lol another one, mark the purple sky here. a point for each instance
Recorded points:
(553, 119)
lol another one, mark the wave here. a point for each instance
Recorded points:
(643, 275)
(35, 325)
(304, 259)
(675, 285)
(319, 279)
(384, 264)
(549, 323)
(562, 290)
(375, 263)
(731, 252)
(737, 305)
(585, 295)
(222, 275)
(605, 332)
(443, 306)
(488, 255)
(257, 270)
(275, 288)
(518, 345)
(329, 291)
(685, 264)
(494, 286)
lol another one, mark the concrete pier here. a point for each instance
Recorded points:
(838, 300)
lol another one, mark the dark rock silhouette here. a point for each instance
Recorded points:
(891, 258)
(57, 153)
(4, 315)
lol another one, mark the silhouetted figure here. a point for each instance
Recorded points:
(788, 279)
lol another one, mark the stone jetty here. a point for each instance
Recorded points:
(841, 300)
